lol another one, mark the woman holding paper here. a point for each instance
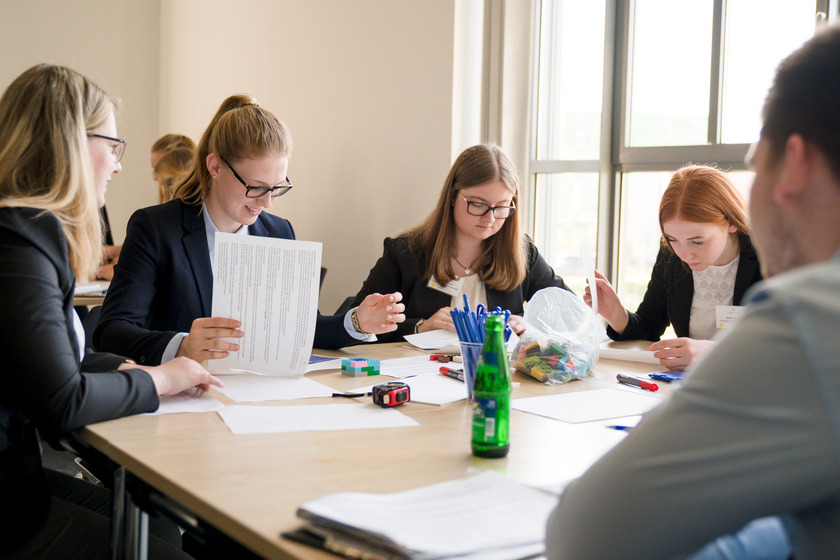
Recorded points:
(704, 267)
(159, 303)
(472, 243)
(58, 151)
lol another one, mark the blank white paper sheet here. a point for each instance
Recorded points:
(192, 400)
(588, 406)
(430, 388)
(250, 387)
(409, 367)
(627, 354)
(316, 417)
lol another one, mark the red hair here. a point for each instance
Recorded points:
(702, 194)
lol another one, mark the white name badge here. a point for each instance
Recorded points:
(727, 315)
(452, 289)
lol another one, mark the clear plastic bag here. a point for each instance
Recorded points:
(562, 339)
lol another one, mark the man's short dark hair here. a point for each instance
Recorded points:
(805, 98)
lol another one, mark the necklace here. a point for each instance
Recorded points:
(467, 269)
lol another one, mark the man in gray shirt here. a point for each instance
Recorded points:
(755, 430)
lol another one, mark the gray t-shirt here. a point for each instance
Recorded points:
(755, 431)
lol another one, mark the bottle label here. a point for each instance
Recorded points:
(486, 421)
(490, 359)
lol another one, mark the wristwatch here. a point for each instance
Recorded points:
(417, 325)
(354, 317)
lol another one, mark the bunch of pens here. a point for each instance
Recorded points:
(471, 325)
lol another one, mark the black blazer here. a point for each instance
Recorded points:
(670, 293)
(45, 386)
(164, 281)
(400, 269)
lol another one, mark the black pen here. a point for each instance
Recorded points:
(453, 373)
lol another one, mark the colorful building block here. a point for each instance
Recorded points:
(359, 367)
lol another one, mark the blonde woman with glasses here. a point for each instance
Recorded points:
(58, 151)
(159, 304)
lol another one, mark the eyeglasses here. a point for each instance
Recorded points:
(118, 148)
(480, 209)
(257, 192)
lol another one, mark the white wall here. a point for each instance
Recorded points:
(365, 87)
(116, 45)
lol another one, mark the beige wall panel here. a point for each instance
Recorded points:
(366, 89)
(116, 44)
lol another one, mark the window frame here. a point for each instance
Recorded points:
(615, 157)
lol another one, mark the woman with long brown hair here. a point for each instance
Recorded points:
(472, 243)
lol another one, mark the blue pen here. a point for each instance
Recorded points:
(466, 303)
(466, 331)
(621, 428)
(460, 327)
(472, 323)
(664, 377)
(454, 314)
(481, 317)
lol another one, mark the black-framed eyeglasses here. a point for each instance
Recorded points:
(257, 192)
(118, 148)
(480, 209)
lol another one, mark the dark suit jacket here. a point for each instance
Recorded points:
(400, 269)
(45, 386)
(164, 281)
(670, 293)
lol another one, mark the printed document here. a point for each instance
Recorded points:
(483, 516)
(271, 285)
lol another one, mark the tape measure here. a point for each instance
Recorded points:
(391, 394)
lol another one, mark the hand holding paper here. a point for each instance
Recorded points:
(204, 342)
(589, 267)
(611, 307)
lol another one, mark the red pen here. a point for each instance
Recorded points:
(445, 358)
(636, 382)
(453, 373)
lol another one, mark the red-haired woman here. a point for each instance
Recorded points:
(704, 267)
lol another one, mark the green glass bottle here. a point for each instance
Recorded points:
(491, 395)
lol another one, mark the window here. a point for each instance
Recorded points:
(626, 92)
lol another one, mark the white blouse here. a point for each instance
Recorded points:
(476, 293)
(712, 287)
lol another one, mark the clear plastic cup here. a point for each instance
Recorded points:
(469, 353)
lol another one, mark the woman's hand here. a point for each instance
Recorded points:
(202, 343)
(678, 353)
(609, 305)
(178, 375)
(516, 324)
(440, 320)
(379, 314)
(110, 256)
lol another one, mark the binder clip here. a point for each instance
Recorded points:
(391, 394)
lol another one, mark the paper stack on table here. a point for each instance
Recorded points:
(485, 516)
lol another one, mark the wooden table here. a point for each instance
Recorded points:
(249, 486)
(90, 299)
